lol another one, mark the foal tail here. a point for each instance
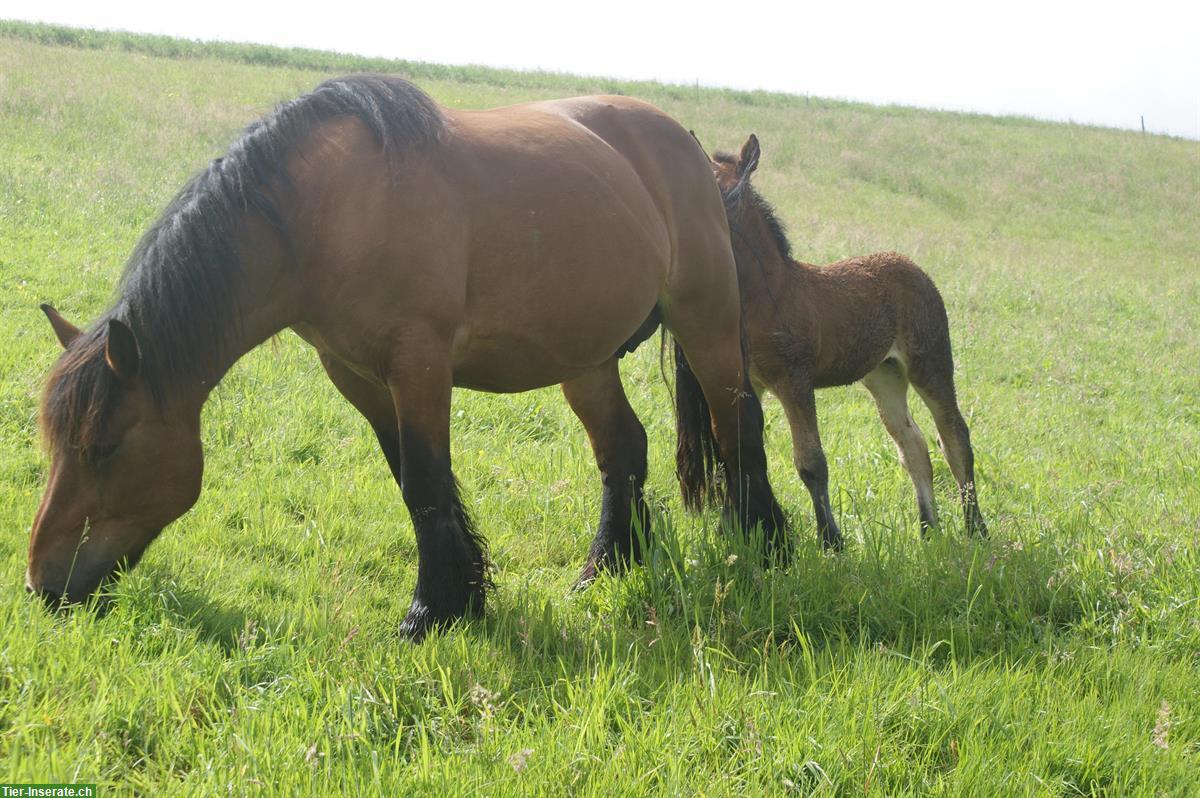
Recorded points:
(697, 456)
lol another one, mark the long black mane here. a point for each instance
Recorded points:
(743, 192)
(179, 288)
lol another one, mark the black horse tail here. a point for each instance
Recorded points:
(697, 456)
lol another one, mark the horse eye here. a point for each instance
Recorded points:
(101, 452)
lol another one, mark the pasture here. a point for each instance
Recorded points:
(256, 650)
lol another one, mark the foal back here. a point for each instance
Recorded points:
(840, 322)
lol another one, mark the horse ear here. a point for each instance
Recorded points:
(748, 160)
(121, 350)
(65, 331)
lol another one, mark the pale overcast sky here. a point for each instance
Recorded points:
(1083, 61)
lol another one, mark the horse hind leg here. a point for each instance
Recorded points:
(711, 343)
(619, 443)
(889, 386)
(936, 389)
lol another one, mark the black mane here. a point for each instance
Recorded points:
(178, 291)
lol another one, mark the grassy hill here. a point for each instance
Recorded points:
(255, 649)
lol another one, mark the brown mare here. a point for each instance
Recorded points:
(417, 249)
(877, 319)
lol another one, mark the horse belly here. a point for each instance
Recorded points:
(551, 335)
(568, 256)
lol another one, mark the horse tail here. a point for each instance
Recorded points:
(697, 456)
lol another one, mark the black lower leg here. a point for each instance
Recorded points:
(815, 474)
(748, 490)
(452, 573)
(619, 443)
(624, 526)
(624, 516)
(972, 516)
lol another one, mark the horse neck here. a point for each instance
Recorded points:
(264, 302)
(266, 299)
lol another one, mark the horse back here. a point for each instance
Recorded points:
(539, 237)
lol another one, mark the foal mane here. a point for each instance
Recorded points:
(179, 287)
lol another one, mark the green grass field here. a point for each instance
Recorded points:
(255, 650)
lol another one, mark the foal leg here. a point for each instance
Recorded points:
(619, 443)
(938, 394)
(452, 570)
(889, 385)
(808, 456)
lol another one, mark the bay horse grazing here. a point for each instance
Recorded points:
(877, 319)
(417, 249)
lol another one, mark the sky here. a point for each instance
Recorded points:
(1096, 63)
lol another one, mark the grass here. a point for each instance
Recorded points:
(256, 648)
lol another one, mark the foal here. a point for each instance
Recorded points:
(877, 319)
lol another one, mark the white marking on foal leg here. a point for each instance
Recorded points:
(889, 386)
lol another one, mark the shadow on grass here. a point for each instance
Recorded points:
(705, 596)
(160, 595)
(942, 599)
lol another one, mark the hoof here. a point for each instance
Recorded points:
(609, 557)
(586, 577)
(832, 540)
(779, 555)
(608, 563)
(423, 619)
(420, 621)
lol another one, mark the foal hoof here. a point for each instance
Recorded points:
(832, 540)
(976, 528)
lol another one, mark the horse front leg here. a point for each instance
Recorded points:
(374, 401)
(619, 442)
(452, 569)
(808, 455)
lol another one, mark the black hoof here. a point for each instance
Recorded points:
(608, 562)
(586, 577)
(423, 619)
(609, 556)
(832, 540)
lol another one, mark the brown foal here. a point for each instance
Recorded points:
(877, 319)
(417, 249)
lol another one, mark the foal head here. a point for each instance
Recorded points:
(752, 220)
(123, 465)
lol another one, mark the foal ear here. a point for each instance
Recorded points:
(748, 160)
(65, 331)
(121, 350)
